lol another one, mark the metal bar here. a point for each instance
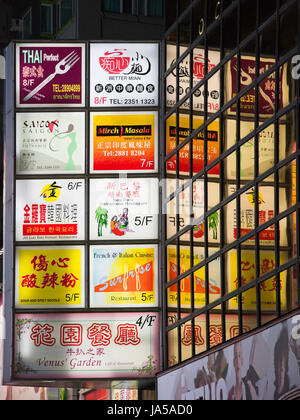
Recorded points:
(256, 168)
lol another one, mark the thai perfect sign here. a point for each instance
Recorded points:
(96, 345)
(50, 277)
(50, 142)
(124, 208)
(50, 209)
(124, 142)
(50, 75)
(124, 75)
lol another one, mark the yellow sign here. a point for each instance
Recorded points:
(123, 275)
(268, 288)
(199, 278)
(50, 277)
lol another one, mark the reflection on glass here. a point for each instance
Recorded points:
(184, 74)
(267, 88)
(182, 131)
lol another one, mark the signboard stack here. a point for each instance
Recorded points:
(85, 236)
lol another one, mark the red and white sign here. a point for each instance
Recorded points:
(107, 345)
(50, 209)
(124, 75)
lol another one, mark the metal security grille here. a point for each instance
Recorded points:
(231, 168)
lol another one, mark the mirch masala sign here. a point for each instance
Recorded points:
(124, 142)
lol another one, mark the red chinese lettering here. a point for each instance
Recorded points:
(187, 336)
(100, 334)
(41, 335)
(35, 213)
(69, 280)
(215, 333)
(50, 280)
(71, 335)
(26, 214)
(61, 262)
(267, 265)
(29, 281)
(39, 264)
(127, 334)
(43, 209)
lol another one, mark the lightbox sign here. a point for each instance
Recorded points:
(184, 207)
(213, 84)
(50, 75)
(123, 276)
(124, 142)
(268, 288)
(50, 209)
(50, 143)
(124, 75)
(266, 101)
(98, 345)
(247, 153)
(214, 286)
(50, 277)
(124, 208)
(247, 215)
(213, 145)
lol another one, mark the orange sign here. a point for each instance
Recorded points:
(213, 147)
(124, 142)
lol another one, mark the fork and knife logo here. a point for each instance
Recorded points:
(62, 67)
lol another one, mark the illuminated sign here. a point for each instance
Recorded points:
(50, 142)
(123, 276)
(124, 75)
(266, 94)
(268, 288)
(247, 215)
(51, 75)
(50, 209)
(50, 277)
(110, 345)
(213, 84)
(185, 207)
(199, 285)
(266, 149)
(124, 142)
(123, 208)
(213, 145)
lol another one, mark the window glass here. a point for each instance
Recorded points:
(155, 7)
(46, 19)
(112, 6)
(66, 11)
(27, 25)
(127, 6)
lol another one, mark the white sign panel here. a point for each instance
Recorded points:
(107, 345)
(50, 142)
(50, 209)
(247, 215)
(213, 85)
(123, 208)
(123, 276)
(124, 74)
